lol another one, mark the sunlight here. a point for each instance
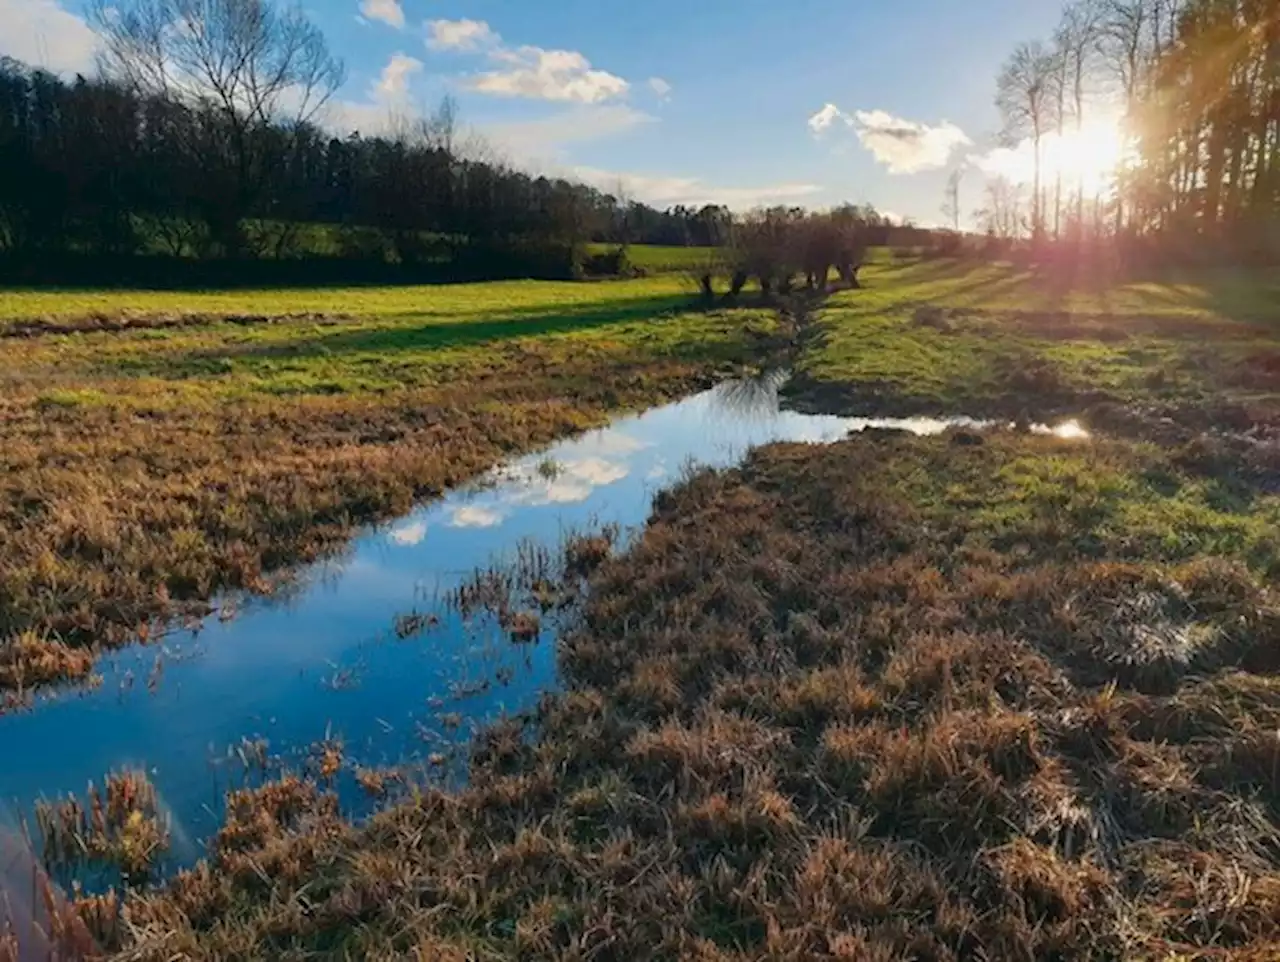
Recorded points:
(1088, 157)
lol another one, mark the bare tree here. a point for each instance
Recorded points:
(1058, 82)
(1130, 33)
(1001, 214)
(1025, 99)
(1076, 40)
(951, 203)
(245, 63)
(1131, 37)
(622, 229)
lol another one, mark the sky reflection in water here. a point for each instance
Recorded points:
(326, 659)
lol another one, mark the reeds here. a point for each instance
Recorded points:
(120, 826)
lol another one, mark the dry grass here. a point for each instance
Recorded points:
(149, 461)
(120, 827)
(838, 704)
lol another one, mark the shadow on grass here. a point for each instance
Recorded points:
(337, 342)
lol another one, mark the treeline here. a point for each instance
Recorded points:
(102, 176)
(779, 246)
(1197, 83)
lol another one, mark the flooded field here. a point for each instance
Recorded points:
(372, 652)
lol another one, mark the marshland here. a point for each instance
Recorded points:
(408, 556)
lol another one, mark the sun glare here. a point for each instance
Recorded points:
(1088, 157)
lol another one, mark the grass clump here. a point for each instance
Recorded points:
(867, 701)
(119, 828)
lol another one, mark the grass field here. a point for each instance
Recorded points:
(664, 260)
(155, 448)
(158, 446)
(956, 337)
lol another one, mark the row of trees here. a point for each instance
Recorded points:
(1197, 84)
(201, 140)
(777, 245)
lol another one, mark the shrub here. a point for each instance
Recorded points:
(610, 263)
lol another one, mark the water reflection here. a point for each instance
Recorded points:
(1067, 430)
(334, 657)
(754, 398)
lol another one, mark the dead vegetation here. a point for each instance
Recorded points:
(121, 513)
(893, 699)
(120, 828)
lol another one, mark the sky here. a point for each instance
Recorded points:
(740, 102)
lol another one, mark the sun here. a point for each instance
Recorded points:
(1088, 157)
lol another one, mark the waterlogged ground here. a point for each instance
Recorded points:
(369, 650)
(979, 696)
(989, 694)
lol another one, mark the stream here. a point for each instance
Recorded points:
(328, 658)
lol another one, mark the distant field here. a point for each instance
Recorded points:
(366, 302)
(430, 302)
(964, 337)
(660, 260)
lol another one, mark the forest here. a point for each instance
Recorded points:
(105, 173)
(1195, 88)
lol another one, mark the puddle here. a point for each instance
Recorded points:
(335, 658)
(1067, 430)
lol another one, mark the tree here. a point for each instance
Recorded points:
(241, 65)
(1024, 98)
(1001, 215)
(951, 203)
(1076, 40)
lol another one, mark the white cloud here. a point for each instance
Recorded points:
(661, 88)
(1091, 157)
(542, 141)
(573, 482)
(388, 11)
(386, 104)
(823, 120)
(531, 72)
(612, 441)
(475, 517)
(595, 471)
(42, 34)
(393, 84)
(668, 191)
(1010, 162)
(556, 75)
(460, 35)
(905, 146)
(408, 535)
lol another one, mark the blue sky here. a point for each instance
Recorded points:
(682, 101)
